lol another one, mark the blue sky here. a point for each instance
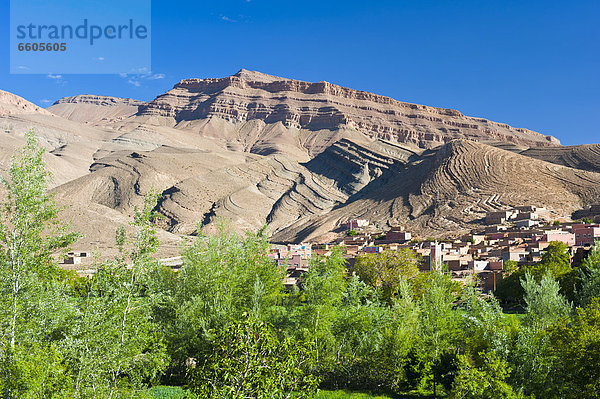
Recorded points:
(532, 64)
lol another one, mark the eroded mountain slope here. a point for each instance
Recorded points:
(303, 157)
(70, 146)
(585, 157)
(250, 95)
(95, 110)
(444, 190)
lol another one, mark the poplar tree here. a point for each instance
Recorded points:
(32, 299)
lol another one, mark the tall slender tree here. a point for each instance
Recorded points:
(31, 300)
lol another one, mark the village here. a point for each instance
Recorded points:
(511, 237)
(516, 236)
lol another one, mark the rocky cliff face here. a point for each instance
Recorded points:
(92, 109)
(251, 95)
(99, 100)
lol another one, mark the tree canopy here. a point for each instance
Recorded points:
(224, 326)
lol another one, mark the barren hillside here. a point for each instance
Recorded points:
(70, 146)
(443, 191)
(586, 157)
(303, 157)
(96, 110)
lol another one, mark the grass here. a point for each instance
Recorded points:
(167, 392)
(348, 395)
(163, 392)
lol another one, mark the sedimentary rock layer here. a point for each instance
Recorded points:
(296, 104)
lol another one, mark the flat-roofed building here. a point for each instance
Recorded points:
(558, 235)
(586, 234)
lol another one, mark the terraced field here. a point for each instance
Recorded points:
(433, 192)
(585, 157)
(444, 191)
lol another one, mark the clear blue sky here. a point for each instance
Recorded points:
(533, 64)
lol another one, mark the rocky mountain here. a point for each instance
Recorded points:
(95, 110)
(302, 157)
(254, 112)
(11, 104)
(249, 95)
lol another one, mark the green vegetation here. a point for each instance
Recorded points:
(588, 278)
(225, 327)
(555, 261)
(352, 233)
(248, 360)
(163, 392)
(348, 395)
(386, 271)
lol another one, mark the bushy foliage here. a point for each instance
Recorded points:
(248, 360)
(588, 279)
(387, 270)
(485, 380)
(226, 327)
(532, 355)
(555, 260)
(576, 345)
(224, 277)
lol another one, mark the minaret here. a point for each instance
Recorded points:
(435, 256)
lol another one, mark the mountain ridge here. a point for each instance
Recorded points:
(254, 149)
(318, 106)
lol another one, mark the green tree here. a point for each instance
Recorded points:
(576, 345)
(485, 379)
(363, 328)
(439, 329)
(545, 304)
(247, 360)
(485, 327)
(115, 346)
(403, 339)
(324, 287)
(588, 279)
(387, 269)
(510, 266)
(224, 276)
(556, 260)
(25, 242)
(33, 301)
(531, 357)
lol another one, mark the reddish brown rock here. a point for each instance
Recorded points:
(251, 95)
